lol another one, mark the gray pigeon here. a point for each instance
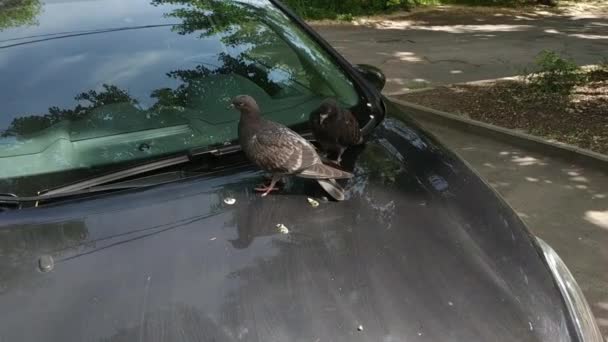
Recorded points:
(335, 128)
(280, 151)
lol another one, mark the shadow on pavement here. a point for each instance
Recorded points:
(459, 44)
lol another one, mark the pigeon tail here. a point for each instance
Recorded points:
(322, 171)
(332, 188)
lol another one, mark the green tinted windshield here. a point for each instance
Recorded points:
(153, 83)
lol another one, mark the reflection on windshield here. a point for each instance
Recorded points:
(165, 88)
(28, 125)
(14, 13)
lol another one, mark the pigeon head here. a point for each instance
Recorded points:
(246, 105)
(328, 109)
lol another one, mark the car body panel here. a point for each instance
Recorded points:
(422, 250)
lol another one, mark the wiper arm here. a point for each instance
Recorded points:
(11, 200)
(96, 184)
(115, 176)
(144, 168)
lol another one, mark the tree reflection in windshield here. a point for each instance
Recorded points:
(166, 98)
(193, 79)
(208, 17)
(238, 26)
(181, 102)
(27, 125)
(14, 13)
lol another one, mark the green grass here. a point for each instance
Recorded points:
(555, 74)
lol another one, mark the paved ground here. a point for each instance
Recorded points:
(443, 46)
(564, 204)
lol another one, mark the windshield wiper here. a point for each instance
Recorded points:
(112, 181)
(191, 155)
(96, 184)
(11, 200)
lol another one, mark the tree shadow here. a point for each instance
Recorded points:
(479, 43)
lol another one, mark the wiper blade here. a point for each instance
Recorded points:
(115, 176)
(153, 180)
(143, 168)
(96, 184)
(5, 199)
(93, 185)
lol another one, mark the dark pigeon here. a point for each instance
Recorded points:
(335, 128)
(280, 151)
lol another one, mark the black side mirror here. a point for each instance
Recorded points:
(373, 75)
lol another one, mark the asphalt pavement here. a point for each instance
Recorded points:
(452, 45)
(564, 204)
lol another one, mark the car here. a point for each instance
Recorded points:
(127, 211)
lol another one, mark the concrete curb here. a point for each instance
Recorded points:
(479, 82)
(537, 144)
(409, 91)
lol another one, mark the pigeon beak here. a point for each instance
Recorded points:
(323, 117)
(231, 106)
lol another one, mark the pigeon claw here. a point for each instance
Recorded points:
(271, 187)
(266, 189)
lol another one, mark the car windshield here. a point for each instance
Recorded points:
(138, 84)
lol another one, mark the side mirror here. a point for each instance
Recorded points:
(373, 75)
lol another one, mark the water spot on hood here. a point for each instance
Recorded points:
(313, 203)
(282, 229)
(406, 133)
(391, 149)
(439, 183)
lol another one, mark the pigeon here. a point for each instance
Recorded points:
(280, 151)
(334, 128)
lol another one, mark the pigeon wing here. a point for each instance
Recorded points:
(279, 149)
(322, 171)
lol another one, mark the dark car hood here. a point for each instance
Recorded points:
(422, 250)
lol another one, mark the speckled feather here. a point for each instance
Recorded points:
(279, 150)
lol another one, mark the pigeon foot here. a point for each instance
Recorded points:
(266, 189)
(339, 159)
(268, 178)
